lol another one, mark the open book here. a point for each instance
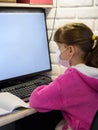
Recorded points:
(9, 103)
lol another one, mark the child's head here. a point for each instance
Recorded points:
(79, 35)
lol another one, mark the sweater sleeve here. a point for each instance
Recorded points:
(58, 95)
(46, 97)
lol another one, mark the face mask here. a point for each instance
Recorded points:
(62, 62)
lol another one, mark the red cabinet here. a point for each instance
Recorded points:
(36, 1)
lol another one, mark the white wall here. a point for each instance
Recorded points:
(65, 11)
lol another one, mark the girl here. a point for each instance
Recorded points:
(74, 93)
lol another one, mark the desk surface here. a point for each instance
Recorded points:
(6, 119)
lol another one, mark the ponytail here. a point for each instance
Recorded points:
(92, 58)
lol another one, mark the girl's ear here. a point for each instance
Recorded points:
(71, 50)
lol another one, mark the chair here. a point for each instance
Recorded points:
(94, 125)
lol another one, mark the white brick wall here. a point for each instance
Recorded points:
(75, 3)
(85, 11)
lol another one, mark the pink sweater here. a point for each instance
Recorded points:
(73, 93)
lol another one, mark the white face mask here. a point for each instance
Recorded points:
(62, 62)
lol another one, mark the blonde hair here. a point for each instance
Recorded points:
(80, 35)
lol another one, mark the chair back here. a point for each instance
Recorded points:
(94, 125)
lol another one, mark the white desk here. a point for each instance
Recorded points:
(6, 119)
(23, 119)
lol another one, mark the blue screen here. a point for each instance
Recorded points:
(23, 44)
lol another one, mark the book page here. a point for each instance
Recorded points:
(9, 102)
(3, 111)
